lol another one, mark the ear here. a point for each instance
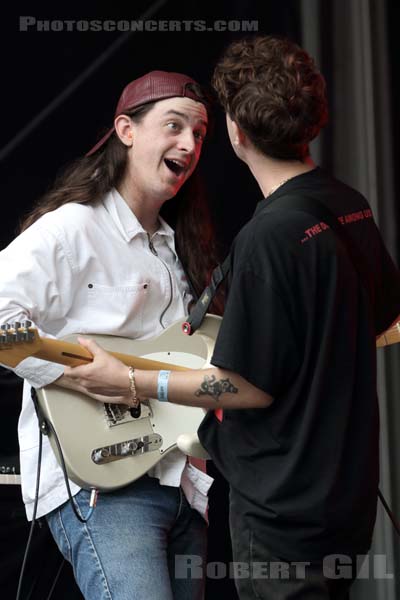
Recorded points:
(237, 137)
(241, 136)
(236, 134)
(123, 127)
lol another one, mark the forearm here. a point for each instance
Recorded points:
(208, 388)
(205, 388)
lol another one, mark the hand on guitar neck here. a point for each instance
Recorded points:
(115, 395)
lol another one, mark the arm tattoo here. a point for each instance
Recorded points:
(213, 388)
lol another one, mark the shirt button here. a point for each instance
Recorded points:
(145, 286)
(90, 285)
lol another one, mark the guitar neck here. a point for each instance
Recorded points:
(12, 479)
(17, 343)
(72, 355)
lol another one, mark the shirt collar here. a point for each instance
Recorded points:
(292, 183)
(127, 223)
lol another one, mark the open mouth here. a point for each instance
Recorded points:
(175, 166)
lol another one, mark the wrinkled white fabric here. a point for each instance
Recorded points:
(89, 269)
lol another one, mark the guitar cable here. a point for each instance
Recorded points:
(390, 514)
(31, 530)
(44, 427)
(28, 544)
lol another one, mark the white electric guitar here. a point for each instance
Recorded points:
(102, 444)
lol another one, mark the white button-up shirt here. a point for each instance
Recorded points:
(91, 269)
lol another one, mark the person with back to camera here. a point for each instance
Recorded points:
(293, 375)
(95, 255)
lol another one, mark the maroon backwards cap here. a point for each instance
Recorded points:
(156, 85)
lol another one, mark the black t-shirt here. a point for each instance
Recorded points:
(299, 325)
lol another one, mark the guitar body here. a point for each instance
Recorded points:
(103, 445)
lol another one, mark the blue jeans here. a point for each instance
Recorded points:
(127, 549)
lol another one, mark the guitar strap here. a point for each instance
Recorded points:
(201, 307)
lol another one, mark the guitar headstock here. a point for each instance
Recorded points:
(17, 341)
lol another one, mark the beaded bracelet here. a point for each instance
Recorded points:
(135, 406)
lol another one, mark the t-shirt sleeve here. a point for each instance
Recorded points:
(256, 339)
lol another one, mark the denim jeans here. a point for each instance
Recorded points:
(127, 549)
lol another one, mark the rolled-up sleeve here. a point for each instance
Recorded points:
(36, 283)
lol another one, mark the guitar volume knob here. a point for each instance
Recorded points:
(99, 455)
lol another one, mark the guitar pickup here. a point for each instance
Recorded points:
(134, 447)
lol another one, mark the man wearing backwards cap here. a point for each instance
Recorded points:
(95, 255)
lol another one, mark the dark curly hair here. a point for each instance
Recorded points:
(272, 89)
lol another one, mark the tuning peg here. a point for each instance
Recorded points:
(27, 335)
(5, 335)
(19, 336)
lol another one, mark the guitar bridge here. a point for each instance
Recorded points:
(119, 414)
(133, 447)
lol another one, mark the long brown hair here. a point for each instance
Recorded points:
(89, 178)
